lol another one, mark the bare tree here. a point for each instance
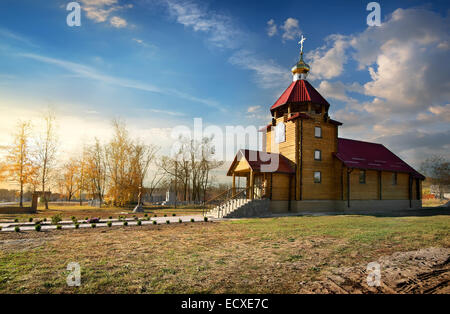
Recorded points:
(192, 167)
(81, 182)
(157, 177)
(437, 168)
(96, 170)
(46, 153)
(207, 164)
(171, 168)
(141, 159)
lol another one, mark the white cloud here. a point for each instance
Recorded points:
(91, 73)
(9, 34)
(139, 41)
(96, 14)
(100, 10)
(328, 62)
(253, 109)
(291, 29)
(219, 27)
(99, 2)
(170, 113)
(407, 62)
(435, 113)
(272, 28)
(268, 74)
(335, 90)
(143, 43)
(406, 58)
(441, 111)
(118, 22)
(409, 86)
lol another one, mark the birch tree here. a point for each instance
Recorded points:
(96, 171)
(46, 153)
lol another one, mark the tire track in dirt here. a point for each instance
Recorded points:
(416, 272)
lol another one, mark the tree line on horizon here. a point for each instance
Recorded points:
(115, 173)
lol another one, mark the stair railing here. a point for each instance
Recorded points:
(220, 199)
(223, 203)
(224, 209)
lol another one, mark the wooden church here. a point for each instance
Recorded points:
(306, 166)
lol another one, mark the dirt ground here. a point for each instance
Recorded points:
(422, 271)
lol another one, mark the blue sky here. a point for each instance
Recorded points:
(161, 63)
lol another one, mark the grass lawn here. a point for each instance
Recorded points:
(81, 212)
(272, 255)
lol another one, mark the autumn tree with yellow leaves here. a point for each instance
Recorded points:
(69, 178)
(128, 161)
(2, 172)
(19, 159)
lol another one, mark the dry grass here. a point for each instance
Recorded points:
(433, 202)
(245, 256)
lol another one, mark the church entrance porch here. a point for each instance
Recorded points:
(267, 175)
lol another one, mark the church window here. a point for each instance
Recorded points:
(280, 133)
(317, 177)
(317, 155)
(318, 131)
(362, 176)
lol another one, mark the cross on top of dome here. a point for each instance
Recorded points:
(301, 69)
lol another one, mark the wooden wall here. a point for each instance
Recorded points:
(334, 174)
(415, 195)
(327, 144)
(280, 187)
(395, 192)
(371, 189)
(287, 148)
(364, 191)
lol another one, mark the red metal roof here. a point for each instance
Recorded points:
(300, 91)
(365, 155)
(256, 159)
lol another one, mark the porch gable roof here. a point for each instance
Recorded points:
(258, 160)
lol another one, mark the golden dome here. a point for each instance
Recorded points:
(301, 67)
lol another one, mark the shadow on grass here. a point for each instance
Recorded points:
(423, 212)
(8, 210)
